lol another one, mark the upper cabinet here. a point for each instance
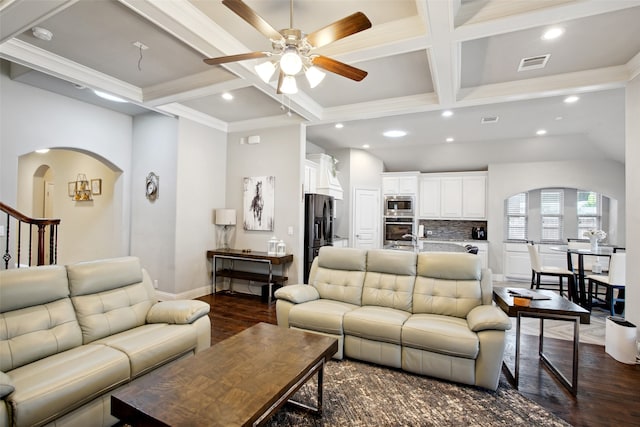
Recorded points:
(400, 183)
(453, 195)
(310, 176)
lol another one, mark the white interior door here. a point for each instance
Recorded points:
(366, 218)
(49, 188)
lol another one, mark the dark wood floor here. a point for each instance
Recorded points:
(608, 391)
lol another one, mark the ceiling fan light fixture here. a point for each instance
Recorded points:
(265, 70)
(314, 76)
(289, 85)
(290, 62)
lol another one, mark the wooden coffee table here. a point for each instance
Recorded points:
(553, 307)
(240, 381)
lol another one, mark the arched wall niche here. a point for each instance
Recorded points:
(88, 229)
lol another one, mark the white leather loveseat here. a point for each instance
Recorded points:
(429, 313)
(69, 336)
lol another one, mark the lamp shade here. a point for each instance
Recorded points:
(225, 217)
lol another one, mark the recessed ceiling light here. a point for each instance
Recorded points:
(395, 133)
(447, 113)
(541, 132)
(552, 33)
(449, 139)
(227, 96)
(366, 146)
(559, 118)
(42, 151)
(339, 125)
(108, 96)
(571, 99)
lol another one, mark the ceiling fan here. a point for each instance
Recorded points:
(294, 50)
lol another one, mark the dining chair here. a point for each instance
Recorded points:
(612, 283)
(538, 270)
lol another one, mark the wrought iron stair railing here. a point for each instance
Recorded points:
(38, 230)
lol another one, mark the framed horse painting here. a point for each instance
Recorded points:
(258, 202)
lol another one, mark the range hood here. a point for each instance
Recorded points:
(327, 179)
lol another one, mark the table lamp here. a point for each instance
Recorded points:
(226, 218)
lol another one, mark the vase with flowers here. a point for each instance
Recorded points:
(594, 237)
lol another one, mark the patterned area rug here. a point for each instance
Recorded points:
(361, 394)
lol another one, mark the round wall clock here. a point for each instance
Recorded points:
(152, 186)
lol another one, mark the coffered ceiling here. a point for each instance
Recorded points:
(422, 56)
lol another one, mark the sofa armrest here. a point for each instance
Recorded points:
(6, 385)
(297, 293)
(485, 317)
(177, 312)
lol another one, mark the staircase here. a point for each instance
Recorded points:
(20, 232)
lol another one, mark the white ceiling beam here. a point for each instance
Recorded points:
(443, 54)
(376, 109)
(542, 87)
(550, 15)
(17, 16)
(190, 87)
(194, 115)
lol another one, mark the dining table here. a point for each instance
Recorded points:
(602, 251)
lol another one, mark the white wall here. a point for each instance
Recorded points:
(153, 222)
(632, 155)
(202, 169)
(31, 118)
(606, 177)
(280, 153)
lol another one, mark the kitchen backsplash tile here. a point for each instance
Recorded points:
(447, 230)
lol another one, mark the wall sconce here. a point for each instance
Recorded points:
(226, 218)
(81, 189)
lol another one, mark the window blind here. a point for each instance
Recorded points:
(589, 210)
(516, 210)
(551, 211)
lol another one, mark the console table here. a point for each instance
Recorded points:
(258, 257)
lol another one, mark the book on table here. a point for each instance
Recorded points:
(528, 293)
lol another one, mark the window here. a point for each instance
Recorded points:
(589, 212)
(517, 216)
(551, 213)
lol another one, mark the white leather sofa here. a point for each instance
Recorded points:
(429, 313)
(70, 336)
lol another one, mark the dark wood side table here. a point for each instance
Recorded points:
(259, 257)
(553, 308)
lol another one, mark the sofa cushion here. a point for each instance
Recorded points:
(340, 274)
(116, 304)
(446, 297)
(26, 287)
(449, 265)
(376, 323)
(389, 279)
(58, 384)
(323, 315)
(150, 346)
(440, 334)
(33, 333)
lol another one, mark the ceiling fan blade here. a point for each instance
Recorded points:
(255, 20)
(344, 27)
(234, 58)
(338, 67)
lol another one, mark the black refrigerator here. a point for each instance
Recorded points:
(318, 227)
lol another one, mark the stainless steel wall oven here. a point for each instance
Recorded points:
(395, 228)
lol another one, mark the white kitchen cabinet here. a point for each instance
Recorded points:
(429, 197)
(400, 184)
(453, 196)
(474, 190)
(310, 176)
(516, 263)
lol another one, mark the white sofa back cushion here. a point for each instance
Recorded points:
(339, 274)
(447, 283)
(389, 279)
(110, 296)
(36, 315)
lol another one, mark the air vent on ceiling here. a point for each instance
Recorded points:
(491, 119)
(533, 62)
